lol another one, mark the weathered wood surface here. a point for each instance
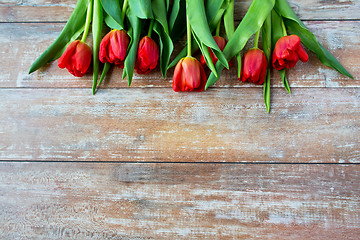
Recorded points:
(178, 201)
(52, 116)
(54, 11)
(220, 125)
(21, 44)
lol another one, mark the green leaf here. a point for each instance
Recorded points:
(75, 22)
(267, 48)
(97, 24)
(166, 47)
(130, 59)
(167, 5)
(141, 8)
(295, 26)
(130, 34)
(267, 92)
(200, 26)
(277, 31)
(230, 29)
(111, 23)
(162, 29)
(251, 23)
(174, 13)
(105, 70)
(229, 20)
(206, 53)
(214, 10)
(212, 7)
(159, 12)
(177, 20)
(113, 10)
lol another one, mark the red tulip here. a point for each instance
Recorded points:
(113, 47)
(288, 50)
(189, 75)
(221, 42)
(254, 65)
(76, 58)
(147, 55)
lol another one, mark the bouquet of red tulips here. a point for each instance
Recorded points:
(130, 43)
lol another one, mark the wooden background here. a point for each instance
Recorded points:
(147, 163)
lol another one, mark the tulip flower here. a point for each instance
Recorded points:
(76, 58)
(189, 75)
(254, 66)
(288, 50)
(113, 47)
(147, 55)
(221, 42)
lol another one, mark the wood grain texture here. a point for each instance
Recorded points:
(21, 44)
(220, 125)
(178, 201)
(60, 10)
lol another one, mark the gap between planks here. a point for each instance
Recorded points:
(169, 162)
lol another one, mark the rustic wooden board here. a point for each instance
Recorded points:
(178, 201)
(120, 188)
(156, 124)
(21, 44)
(53, 11)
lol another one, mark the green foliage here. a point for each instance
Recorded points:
(251, 23)
(113, 10)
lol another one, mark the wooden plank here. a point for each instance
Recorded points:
(220, 125)
(53, 11)
(21, 44)
(178, 201)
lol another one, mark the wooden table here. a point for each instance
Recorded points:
(147, 163)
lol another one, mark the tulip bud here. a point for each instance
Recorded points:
(254, 65)
(288, 50)
(113, 47)
(147, 55)
(76, 58)
(189, 75)
(221, 42)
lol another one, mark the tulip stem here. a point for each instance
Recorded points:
(151, 26)
(188, 28)
(88, 21)
(283, 27)
(256, 42)
(217, 33)
(125, 5)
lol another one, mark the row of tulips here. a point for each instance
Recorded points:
(123, 48)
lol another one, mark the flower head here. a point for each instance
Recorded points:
(113, 47)
(147, 55)
(288, 50)
(76, 58)
(189, 75)
(254, 65)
